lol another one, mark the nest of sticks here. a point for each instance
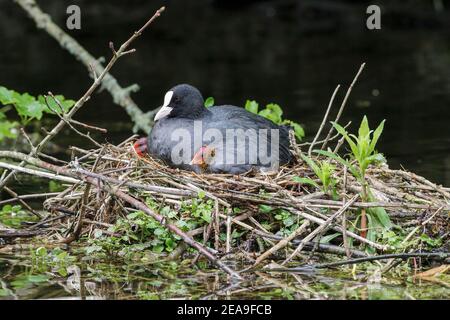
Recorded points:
(111, 181)
(106, 183)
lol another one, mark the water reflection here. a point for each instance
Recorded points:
(114, 281)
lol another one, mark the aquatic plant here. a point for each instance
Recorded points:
(363, 152)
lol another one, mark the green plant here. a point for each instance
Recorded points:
(140, 232)
(285, 222)
(364, 154)
(56, 260)
(324, 171)
(209, 102)
(15, 216)
(27, 108)
(362, 147)
(274, 113)
(199, 208)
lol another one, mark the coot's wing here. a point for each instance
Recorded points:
(232, 117)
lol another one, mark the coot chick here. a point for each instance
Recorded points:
(234, 139)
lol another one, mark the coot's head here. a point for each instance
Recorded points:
(183, 101)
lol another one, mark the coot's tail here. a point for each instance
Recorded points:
(285, 150)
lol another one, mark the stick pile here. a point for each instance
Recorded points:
(112, 181)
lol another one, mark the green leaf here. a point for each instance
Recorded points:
(55, 186)
(52, 106)
(158, 248)
(298, 130)
(29, 108)
(344, 162)
(272, 112)
(364, 128)
(376, 136)
(159, 232)
(252, 106)
(265, 208)
(41, 251)
(38, 278)
(6, 129)
(275, 108)
(329, 237)
(170, 244)
(312, 165)
(6, 96)
(289, 221)
(305, 181)
(206, 216)
(382, 216)
(209, 102)
(344, 133)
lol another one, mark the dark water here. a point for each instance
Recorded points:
(290, 52)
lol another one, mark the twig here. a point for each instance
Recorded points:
(121, 96)
(42, 174)
(344, 216)
(283, 243)
(324, 120)
(421, 225)
(16, 197)
(28, 5)
(68, 122)
(30, 196)
(440, 255)
(344, 102)
(228, 239)
(88, 126)
(320, 228)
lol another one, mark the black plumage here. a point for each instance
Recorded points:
(241, 140)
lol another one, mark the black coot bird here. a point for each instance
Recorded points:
(219, 139)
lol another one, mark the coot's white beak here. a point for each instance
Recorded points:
(165, 109)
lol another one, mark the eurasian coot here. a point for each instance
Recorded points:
(221, 139)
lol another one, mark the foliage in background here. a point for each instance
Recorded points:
(28, 108)
(273, 112)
